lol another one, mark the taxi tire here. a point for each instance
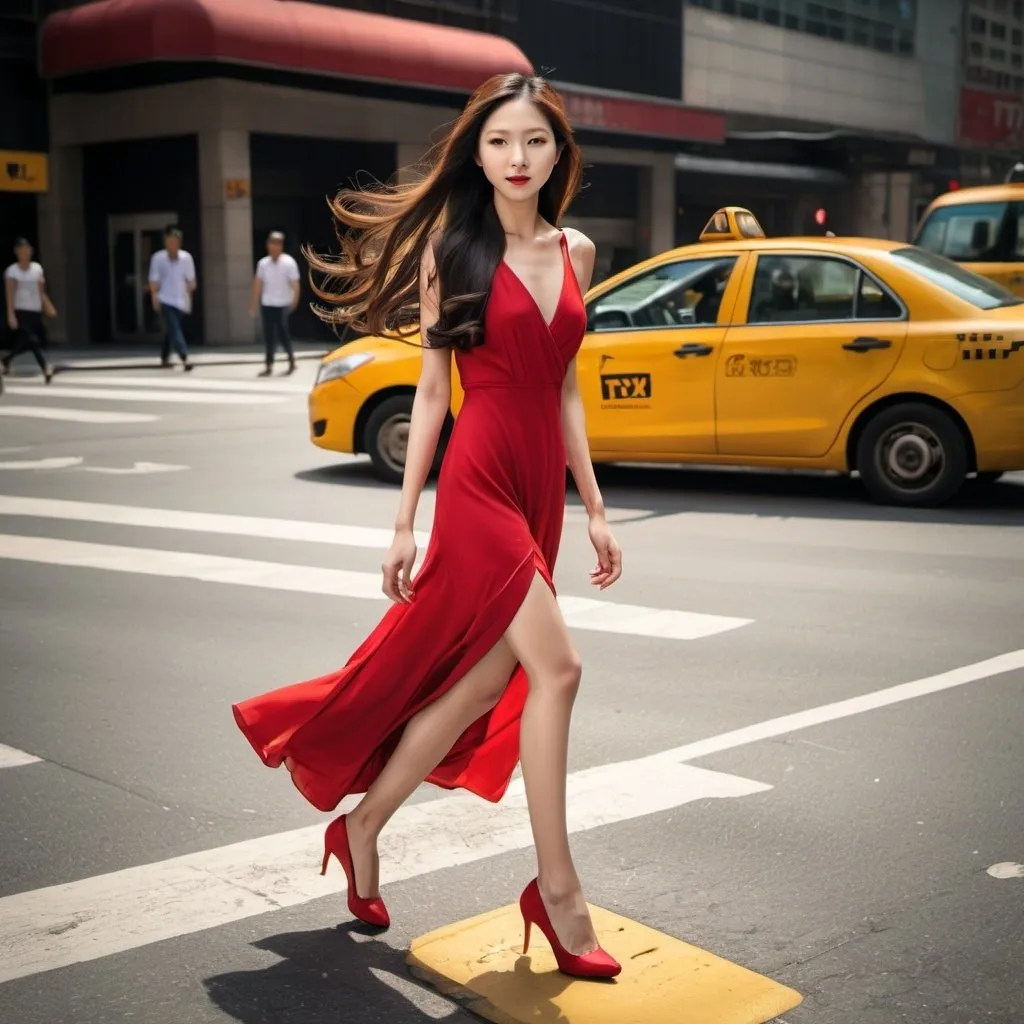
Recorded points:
(397, 406)
(943, 428)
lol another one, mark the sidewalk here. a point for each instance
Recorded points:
(147, 357)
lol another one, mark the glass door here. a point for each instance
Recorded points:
(132, 240)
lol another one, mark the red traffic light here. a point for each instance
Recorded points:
(821, 216)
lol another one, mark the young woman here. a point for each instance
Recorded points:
(472, 668)
(26, 302)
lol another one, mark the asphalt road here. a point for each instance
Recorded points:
(863, 855)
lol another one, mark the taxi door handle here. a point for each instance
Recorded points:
(693, 348)
(866, 344)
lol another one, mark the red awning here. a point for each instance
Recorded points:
(281, 34)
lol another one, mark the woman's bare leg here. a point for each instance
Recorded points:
(540, 641)
(426, 739)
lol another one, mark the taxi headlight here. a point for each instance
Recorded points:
(342, 367)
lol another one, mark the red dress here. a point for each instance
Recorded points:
(497, 522)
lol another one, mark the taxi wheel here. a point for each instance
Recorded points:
(386, 438)
(912, 454)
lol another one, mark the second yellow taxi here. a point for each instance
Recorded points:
(846, 354)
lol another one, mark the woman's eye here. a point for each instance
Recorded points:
(497, 142)
(540, 139)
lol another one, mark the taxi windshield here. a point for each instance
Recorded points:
(951, 277)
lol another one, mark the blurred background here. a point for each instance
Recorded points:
(232, 118)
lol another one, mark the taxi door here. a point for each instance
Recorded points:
(820, 334)
(646, 367)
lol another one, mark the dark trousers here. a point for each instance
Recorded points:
(174, 336)
(29, 337)
(275, 328)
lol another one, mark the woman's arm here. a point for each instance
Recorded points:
(44, 299)
(431, 404)
(577, 448)
(10, 287)
(429, 408)
(574, 426)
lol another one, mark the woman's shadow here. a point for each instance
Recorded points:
(340, 975)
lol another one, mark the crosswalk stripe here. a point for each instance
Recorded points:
(582, 613)
(201, 522)
(44, 929)
(42, 412)
(13, 758)
(192, 397)
(182, 383)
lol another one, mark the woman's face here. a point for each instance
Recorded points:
(517, 150)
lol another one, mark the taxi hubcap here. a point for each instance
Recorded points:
(393, 440)
(911, 455)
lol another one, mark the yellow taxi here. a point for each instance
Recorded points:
(845, 354)
(981, 228)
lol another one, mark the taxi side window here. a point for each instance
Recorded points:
(682, 294)
(973, 232)
(805, 289)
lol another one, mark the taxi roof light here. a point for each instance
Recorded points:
(731, 222)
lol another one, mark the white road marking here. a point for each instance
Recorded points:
(190, 397)
(57, 462)
(636, 620)
(136, 469)
(1007, 869)
(12, 758)
(999, 665)
(67, 924)
(189, 383)
(199, 358)
(202, 522)
(599, 615)
(42, 412)
(45, 929)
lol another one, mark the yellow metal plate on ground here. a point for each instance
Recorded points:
(479, 963)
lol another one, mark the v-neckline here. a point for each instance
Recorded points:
(561, 292)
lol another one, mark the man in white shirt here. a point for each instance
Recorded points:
(275, 288)
(26, 300)
(172, 280)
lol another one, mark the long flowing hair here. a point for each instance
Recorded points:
(383, 230)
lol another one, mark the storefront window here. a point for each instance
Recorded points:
(888, 27)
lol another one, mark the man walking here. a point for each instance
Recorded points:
(172, 281)
(275, 288)
(26, 301)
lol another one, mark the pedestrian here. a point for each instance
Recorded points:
(172, 283)
(27, 301)
(275, 288)
(472, 667)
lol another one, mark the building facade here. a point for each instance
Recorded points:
(236, 117)
(991, 97)
(860, 94)
(232, 118)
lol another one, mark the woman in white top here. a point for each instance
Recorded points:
(25, 291)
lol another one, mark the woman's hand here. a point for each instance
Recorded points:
(609, 554)
(397, 567)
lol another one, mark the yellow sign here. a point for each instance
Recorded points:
(236, 188)
(24, 172)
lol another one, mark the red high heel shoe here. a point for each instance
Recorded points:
(370, 911)
(596, 964)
